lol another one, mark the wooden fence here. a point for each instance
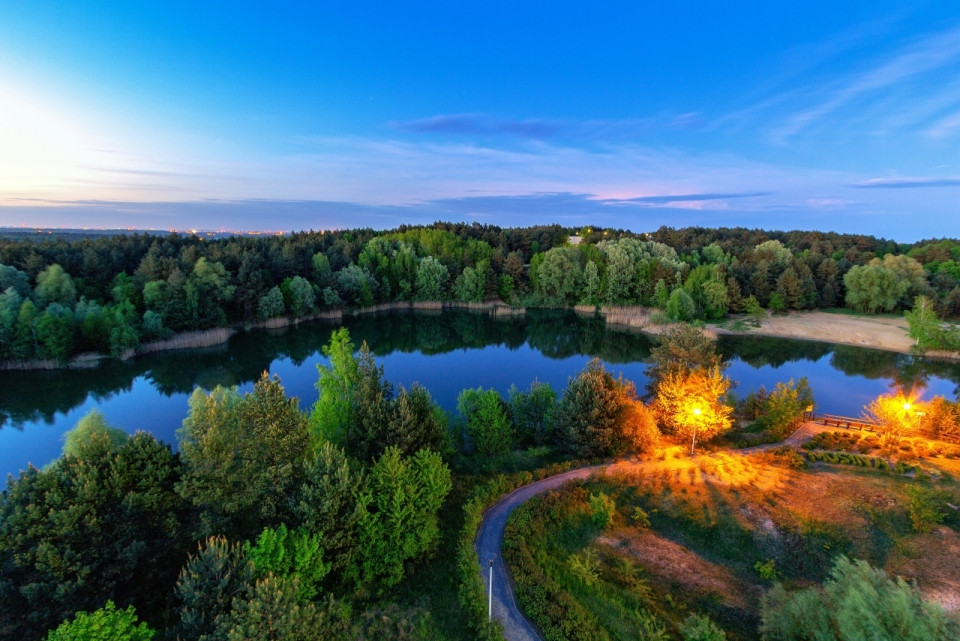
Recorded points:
(845, 421)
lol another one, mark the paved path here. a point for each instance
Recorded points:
(516, 627)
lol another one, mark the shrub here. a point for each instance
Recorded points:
(856, 602)
(926, 508)
(602, 508)
(767, 570)
(698, 627)
(640, 517)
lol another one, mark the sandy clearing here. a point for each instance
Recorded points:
(863, 331)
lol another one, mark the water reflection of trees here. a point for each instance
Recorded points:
(39, 396)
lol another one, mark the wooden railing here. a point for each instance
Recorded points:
(846, 422)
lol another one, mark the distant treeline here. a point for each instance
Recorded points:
(61, 296)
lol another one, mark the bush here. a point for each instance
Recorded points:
(926, 507)
(602, 509)
(640, 518)
(856, 602)
(700, 628)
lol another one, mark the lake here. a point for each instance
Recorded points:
(445, 352)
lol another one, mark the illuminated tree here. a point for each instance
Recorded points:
(895, 416)
(688, 403)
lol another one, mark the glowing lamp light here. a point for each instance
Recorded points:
(696, 411)
(906, 407)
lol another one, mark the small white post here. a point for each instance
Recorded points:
(490, 595)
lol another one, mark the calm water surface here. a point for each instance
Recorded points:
(445, 353)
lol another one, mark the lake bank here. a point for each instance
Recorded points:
(888, 334)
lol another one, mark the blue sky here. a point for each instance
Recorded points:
(838, 116)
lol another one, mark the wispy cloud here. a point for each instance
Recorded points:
(906, 183)
(478, 124)
(916, 61)
(482, 125)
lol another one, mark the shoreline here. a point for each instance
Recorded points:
(881, 333)
(887, 334)
(200, 339)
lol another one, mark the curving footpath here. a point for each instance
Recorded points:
(516, 627)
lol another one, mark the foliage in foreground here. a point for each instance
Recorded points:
(105, 624)
(856, 602)
(103, 524)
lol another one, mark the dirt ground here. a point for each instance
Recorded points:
(880, 333)
(674, 562)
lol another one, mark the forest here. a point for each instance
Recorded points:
(111, 294)
(355, 518)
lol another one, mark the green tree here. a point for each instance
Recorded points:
(333, 410)
(753, 308)
(54, 285)
(206, 291)
(416, 423)
(683, 348)
(93, 425)
(271, 612)
(873, 288)
(431, 280)
(212, 579)
(778, 304)
(661, 295)
(151, 327)
(909, 272)
(105, 624)
(13, 278)
(505, 287)
(299, 296)
(680, 306)
(223, 600)
(591, 284)
(331, 502)
(559, 276)
(290, 553)
(857, 601)
(371, 410)
(25, 341)
(55, 331)
(10, 302)
(471, 284)
(405, 495)
(103, 524)
(927, 329)
(320, 268)
(243, 455)
(357, 284)
(590, 416)
(533, 413)
(488, 422)
(790, 289)
(783, 410)
(715, 299)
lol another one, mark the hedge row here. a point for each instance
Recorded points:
(847, 458)
(473, 591)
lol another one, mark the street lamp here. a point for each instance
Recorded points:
(490, 595)
(693, 440)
